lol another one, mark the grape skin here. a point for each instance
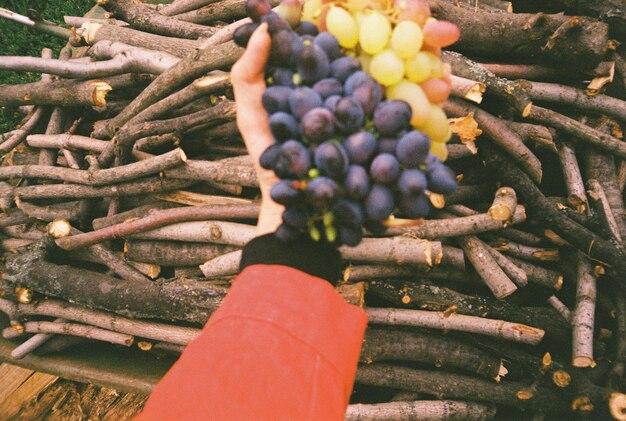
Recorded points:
(390, 117)
(284, 193)
(343, 67)
(379, 203)
(360, 146)
(356, 183)
(313, 64)
(328, 87)
(331, 159)
(283, 126)
(302, 100)
(269, 156)
(293, 160)
(329, 44)
(276, 98)
(321, 192)
(412, 148)
(349, 115)
(412, 182)
(442, 180)
(318, 125)
(413, 206)
(385, 168)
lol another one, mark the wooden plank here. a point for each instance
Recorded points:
(25, 393)
(11, 377)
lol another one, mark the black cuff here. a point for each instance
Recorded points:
(315, 258)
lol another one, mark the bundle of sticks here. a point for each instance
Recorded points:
(127, 195)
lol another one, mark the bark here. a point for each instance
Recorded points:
(146, 19)
(504, 204)
(224, 265)
(532, 134)
(528, 253)
(225, 10)
(584, 314)
(558, 305)
(181, 6)
(561, 39)
(602, 208)
(66, 141)
(169, 253)
(355, 273)
(573, 178)
(538, 72)
(73, 329)
(539, 275)
(468, 89)
(55, 125)
(515, 273)
(500, 134)
(20, 134)
(67, 93)
(38, 25)
(402, 250)
(421, 410)
(32, 343)
(216, 171)
(456, 322)
(130, 215)
(440, 351)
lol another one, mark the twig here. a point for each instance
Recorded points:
(515, 273)
(573, 178)
(558, 305)
(584, 315)
(84, 331)
(169, 253)
(468, 89)
(66, 141)
(182, 6)
(32, 343)
(42, 26)
(420, 410)
(20, 134)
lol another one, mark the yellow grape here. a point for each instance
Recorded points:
(406, 39)
(365, 60)
(440, 33)
(418, 68)
(386, 68)
(436, 89)
(356, 5)
(343, 26)
(436, 126)
(374, 32)
(311, 9)
(436, 65)
(415, 97)
(440, 150)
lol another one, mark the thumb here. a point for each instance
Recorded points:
(252, 62)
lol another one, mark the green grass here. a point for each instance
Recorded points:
(18, 40)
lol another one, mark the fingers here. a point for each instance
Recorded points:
(249, 68)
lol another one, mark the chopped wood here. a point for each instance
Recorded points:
(422, 410)
(583, 315)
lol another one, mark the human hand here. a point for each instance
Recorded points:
(248, 79)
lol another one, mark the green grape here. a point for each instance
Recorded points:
(417, 69)
(365, 60)
(437, 127)
(356, 5)
(387, 68)
(406, 39)
(343, 26)
(415, 97)
(331, 234)
(440, 150)
(436, 65)
(374, 32)
(311, 10)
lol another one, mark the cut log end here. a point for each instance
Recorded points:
(59, 228)
(561, 378)
(527, 109)
(99, 94)
(88, 32)
(617, 406)
(24, 295)
(502, 371)
(582, 404)
(583, 362)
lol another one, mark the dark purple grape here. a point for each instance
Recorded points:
(329, 44)
(385, 168)
(275, 23)
(283, 126)
(375, 227)
(442, 180)
(321, 192)
(287, 233)
(348, 213)
(295, 217)
(413, 148)
(343, 67)
(318, 125)
(302, 100)
(286, 46)
(431, 162)
(387, 145)
(328, 87)
(281, 76)
(307, 38)
(349, 114)
(268, 158)
(293, 161)
(414, 206)
(369, 94)
(313, 64)
(355, 80)
(350, 236)
(331, 102)
(307, 28)
(357, 182)
(392, 117)
(331, 159)
(412, 182)
(285, 193)
(276, 98)
(379, 203)
(243, 33)
(257, 9)
(360, 146)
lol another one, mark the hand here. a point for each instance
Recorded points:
(248, 79)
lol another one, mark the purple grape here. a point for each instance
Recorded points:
(331, 159)
(295, 217)
(385, 168)
(379, 203)
(349, 114)
(360, 146)
(357, 182)
(281, 76)
(313, 64)
(283, 126)
(355, 80)
(413, 148)
(392, 117)
(442, 180)
(329, 44)
(293, 160)
(307, 38)
(369, 95)
(412, 182)
(348, 213)
(302, 100)
(307, 28)
(242, 35)
(269, 156)
(275, 23)
(256, 9)
(276, 98)
(350, 236)
(328, 87)
(285, 193)
(318, 125)
(331, 102)
(431, 162)
(343, 67)
(414, 206)
(287, 234)
(321, 192)
(286, 46)
(387, 145)
(375, 227)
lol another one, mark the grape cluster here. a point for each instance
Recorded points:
(346, 156)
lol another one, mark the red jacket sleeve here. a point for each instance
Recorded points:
(283, 346)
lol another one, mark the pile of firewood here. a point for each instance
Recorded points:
(127, 195)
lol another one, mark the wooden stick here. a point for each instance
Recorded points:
(584, 314)
(42, 26)
(421, 410)
(403, 250)
(597, 195)
(67, 93)
(439, 320)
(558, 305)
(182, 6)
(515, 273)
(32, 343)
(573, 178)
(539, 275)
(224, 265)
(20, 134)
(169, 253)
(84, 331)
(533, 134)
(504, 205)
(468, 89)
(67, 141)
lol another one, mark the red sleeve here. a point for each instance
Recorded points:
(284, 345)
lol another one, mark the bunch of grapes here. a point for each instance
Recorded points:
(346, 156)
